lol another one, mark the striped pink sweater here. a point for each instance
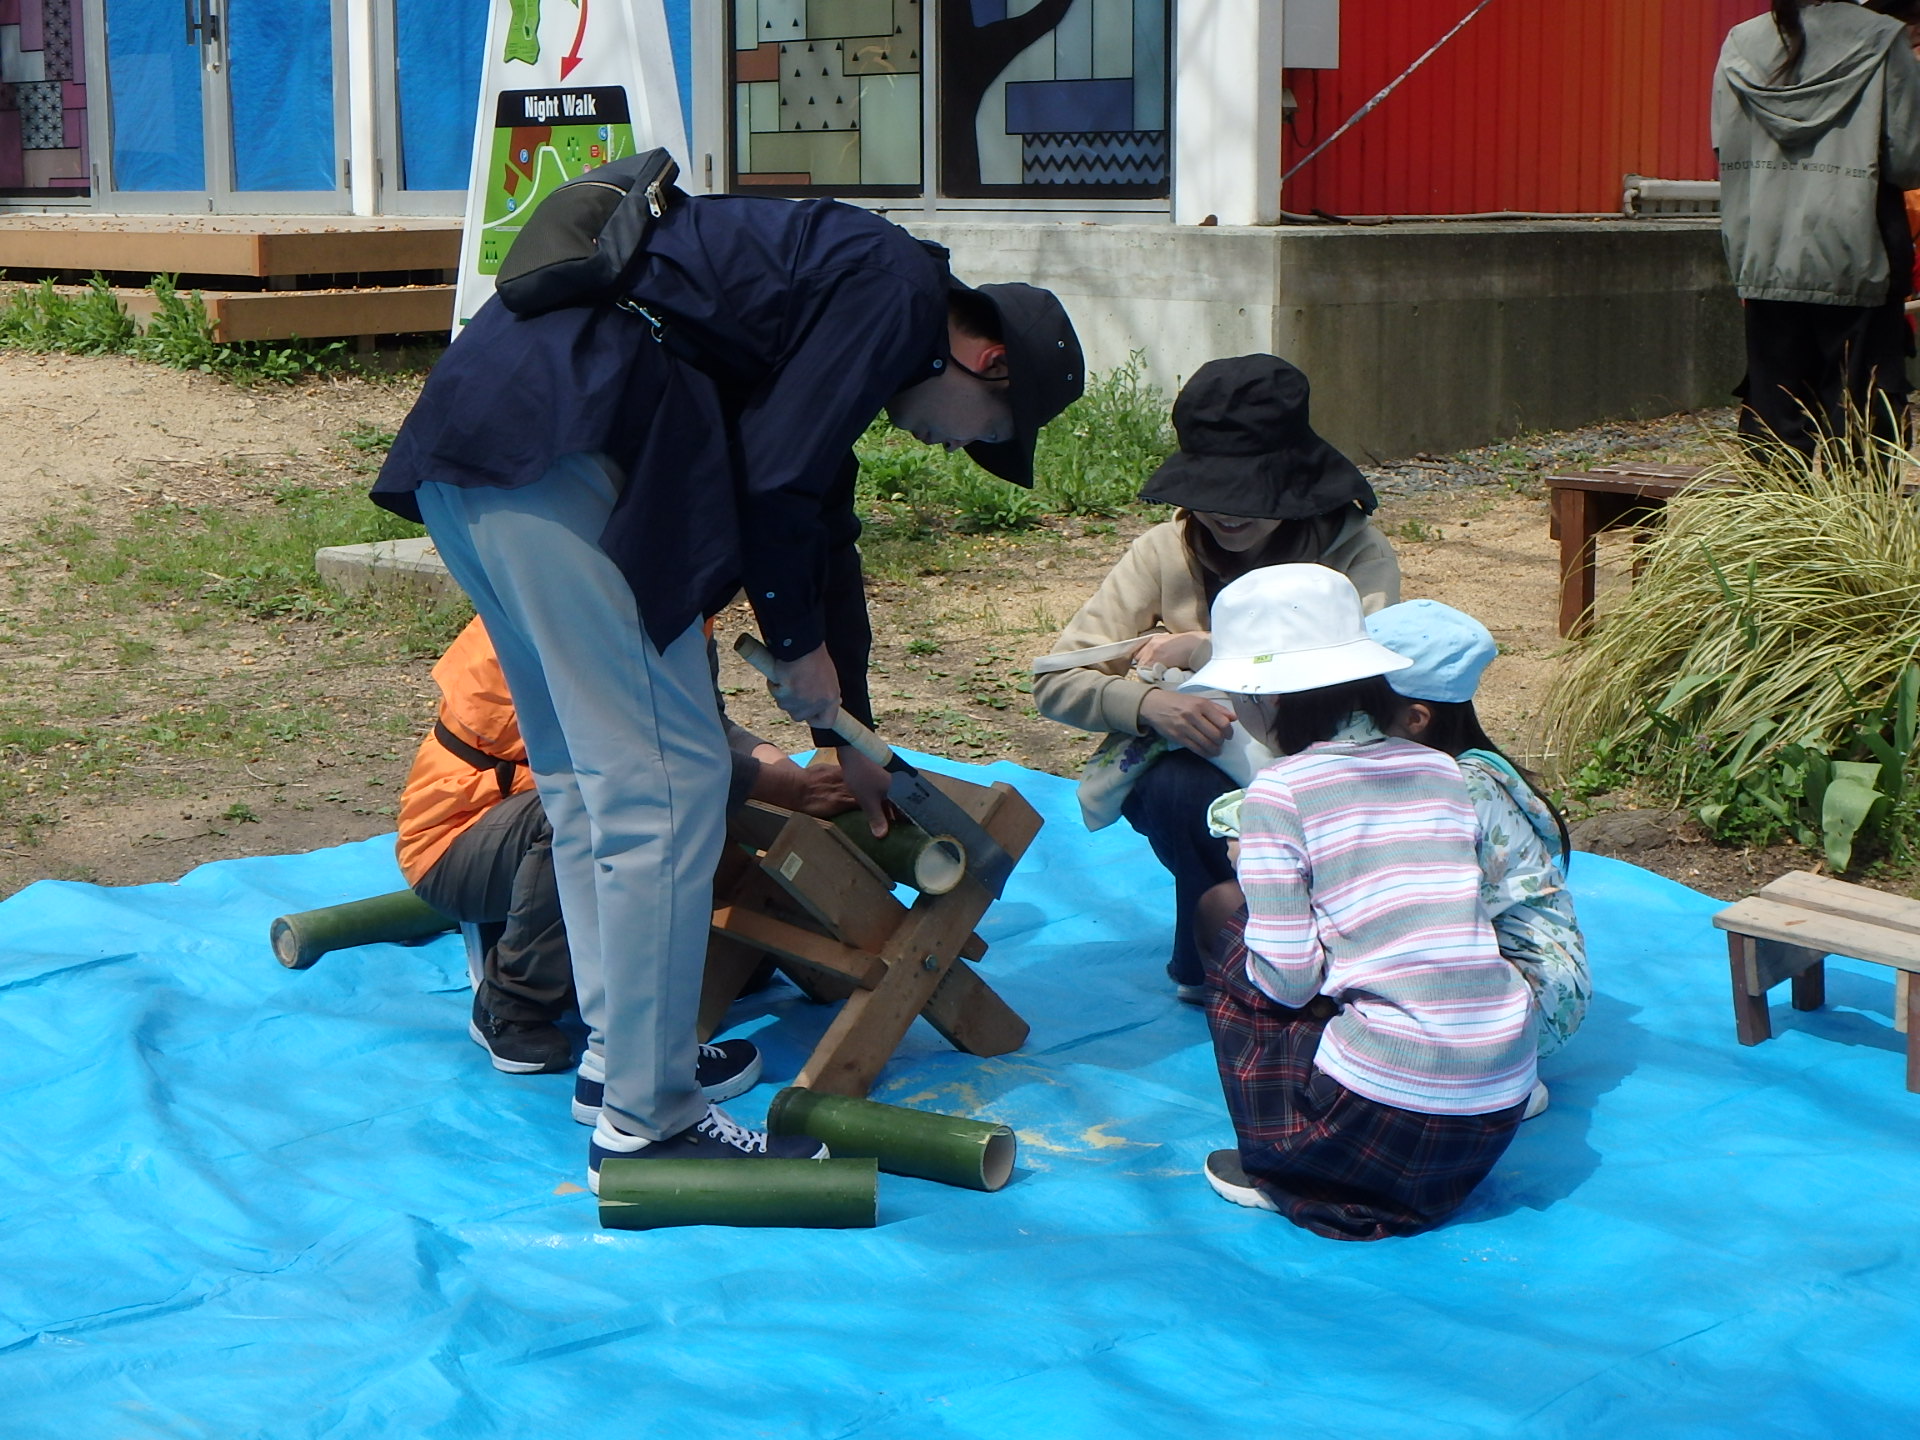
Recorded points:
(1357, 857)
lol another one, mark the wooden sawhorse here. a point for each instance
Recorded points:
(1787, 930)
(795, 890)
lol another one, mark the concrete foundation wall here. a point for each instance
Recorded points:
(1416, 337)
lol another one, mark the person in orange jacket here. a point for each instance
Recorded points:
(474, 843)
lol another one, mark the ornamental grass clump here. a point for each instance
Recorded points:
(1764, 671)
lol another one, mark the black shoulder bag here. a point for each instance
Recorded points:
(585, 240)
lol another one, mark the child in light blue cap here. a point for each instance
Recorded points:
(1523, 844)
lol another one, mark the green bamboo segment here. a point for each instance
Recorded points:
(300, 939)
(781, 1194)
(976, 1154)
(907, 854)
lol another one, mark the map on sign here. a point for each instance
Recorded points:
(566, 87)
(541, 140)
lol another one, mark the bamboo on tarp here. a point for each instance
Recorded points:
(832, 1194)
(907, 854)
(300, 939)
(975, 1154)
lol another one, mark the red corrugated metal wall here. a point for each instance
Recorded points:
(1535, 105)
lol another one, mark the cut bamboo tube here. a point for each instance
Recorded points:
(976, 1154)
(907, 854)
(300, 939)
(780, 1194)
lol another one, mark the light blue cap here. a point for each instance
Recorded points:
(1448, 647)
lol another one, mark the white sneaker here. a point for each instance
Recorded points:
(1536, 1101)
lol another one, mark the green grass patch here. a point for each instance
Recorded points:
(253, 564)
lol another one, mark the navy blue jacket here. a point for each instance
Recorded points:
(788, 326)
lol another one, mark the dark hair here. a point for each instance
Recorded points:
(1456, 729)
(975, 314)
(1793, 35)
(1309, 716)
(1905, 11)
(1303, 540)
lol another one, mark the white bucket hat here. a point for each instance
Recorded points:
(1287, 628)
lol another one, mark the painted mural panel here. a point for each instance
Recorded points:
(43, 99)
(827, 95)
(1054, 98)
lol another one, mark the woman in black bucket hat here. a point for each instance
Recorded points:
(1254, 486)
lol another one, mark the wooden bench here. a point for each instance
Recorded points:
(1786, 931)
(1607, 497)
(794, 890)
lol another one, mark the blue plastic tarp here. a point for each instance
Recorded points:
(243, 1201)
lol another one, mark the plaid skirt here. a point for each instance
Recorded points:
(1335, 1162)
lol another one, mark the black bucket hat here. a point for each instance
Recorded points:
(1045, 373)
(1246, 447)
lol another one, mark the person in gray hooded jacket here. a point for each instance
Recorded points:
(1816, 119)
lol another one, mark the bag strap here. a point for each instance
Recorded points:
(479, 759)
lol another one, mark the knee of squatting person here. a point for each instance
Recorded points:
(1374, 1047)
(1253, 485)
(475, 844)
(1522, 839)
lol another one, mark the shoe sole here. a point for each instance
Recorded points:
(500, 1062)
(739, 1085)
(1243, 1195)
(593, 1175)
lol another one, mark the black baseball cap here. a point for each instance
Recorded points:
(1045, 373)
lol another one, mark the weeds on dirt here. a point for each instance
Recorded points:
(179, 334)
(1765, 669)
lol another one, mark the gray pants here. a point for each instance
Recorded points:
(498, 874)
(631, 764)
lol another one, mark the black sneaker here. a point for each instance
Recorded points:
(520, 1047)
(725, 1069)
(1230, 1182)
(715, 1137)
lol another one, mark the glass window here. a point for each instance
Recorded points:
(438, 49)
(826, 96)
(1043, 98)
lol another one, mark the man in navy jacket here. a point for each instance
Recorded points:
(601, 478)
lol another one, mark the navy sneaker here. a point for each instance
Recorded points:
(725, 1069)
(520, 1047)
(715, 1137)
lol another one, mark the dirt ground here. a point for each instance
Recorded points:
(950, 664)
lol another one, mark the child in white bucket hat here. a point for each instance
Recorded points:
(1523, 846)
(1374, 1047)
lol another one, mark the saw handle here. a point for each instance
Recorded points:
(750, 649)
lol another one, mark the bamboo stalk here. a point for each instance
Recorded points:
(300, 939)
(907, 854)
(975, 1154)
(783, 1194)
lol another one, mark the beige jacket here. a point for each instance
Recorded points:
(1154, 584)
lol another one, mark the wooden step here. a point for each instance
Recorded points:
(258, 247)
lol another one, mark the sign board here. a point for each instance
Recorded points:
(568, 85)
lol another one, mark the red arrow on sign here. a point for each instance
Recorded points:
(572, 58)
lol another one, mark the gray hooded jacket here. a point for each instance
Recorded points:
(1801, 162)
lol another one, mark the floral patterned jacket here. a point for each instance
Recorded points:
(1525, 894)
